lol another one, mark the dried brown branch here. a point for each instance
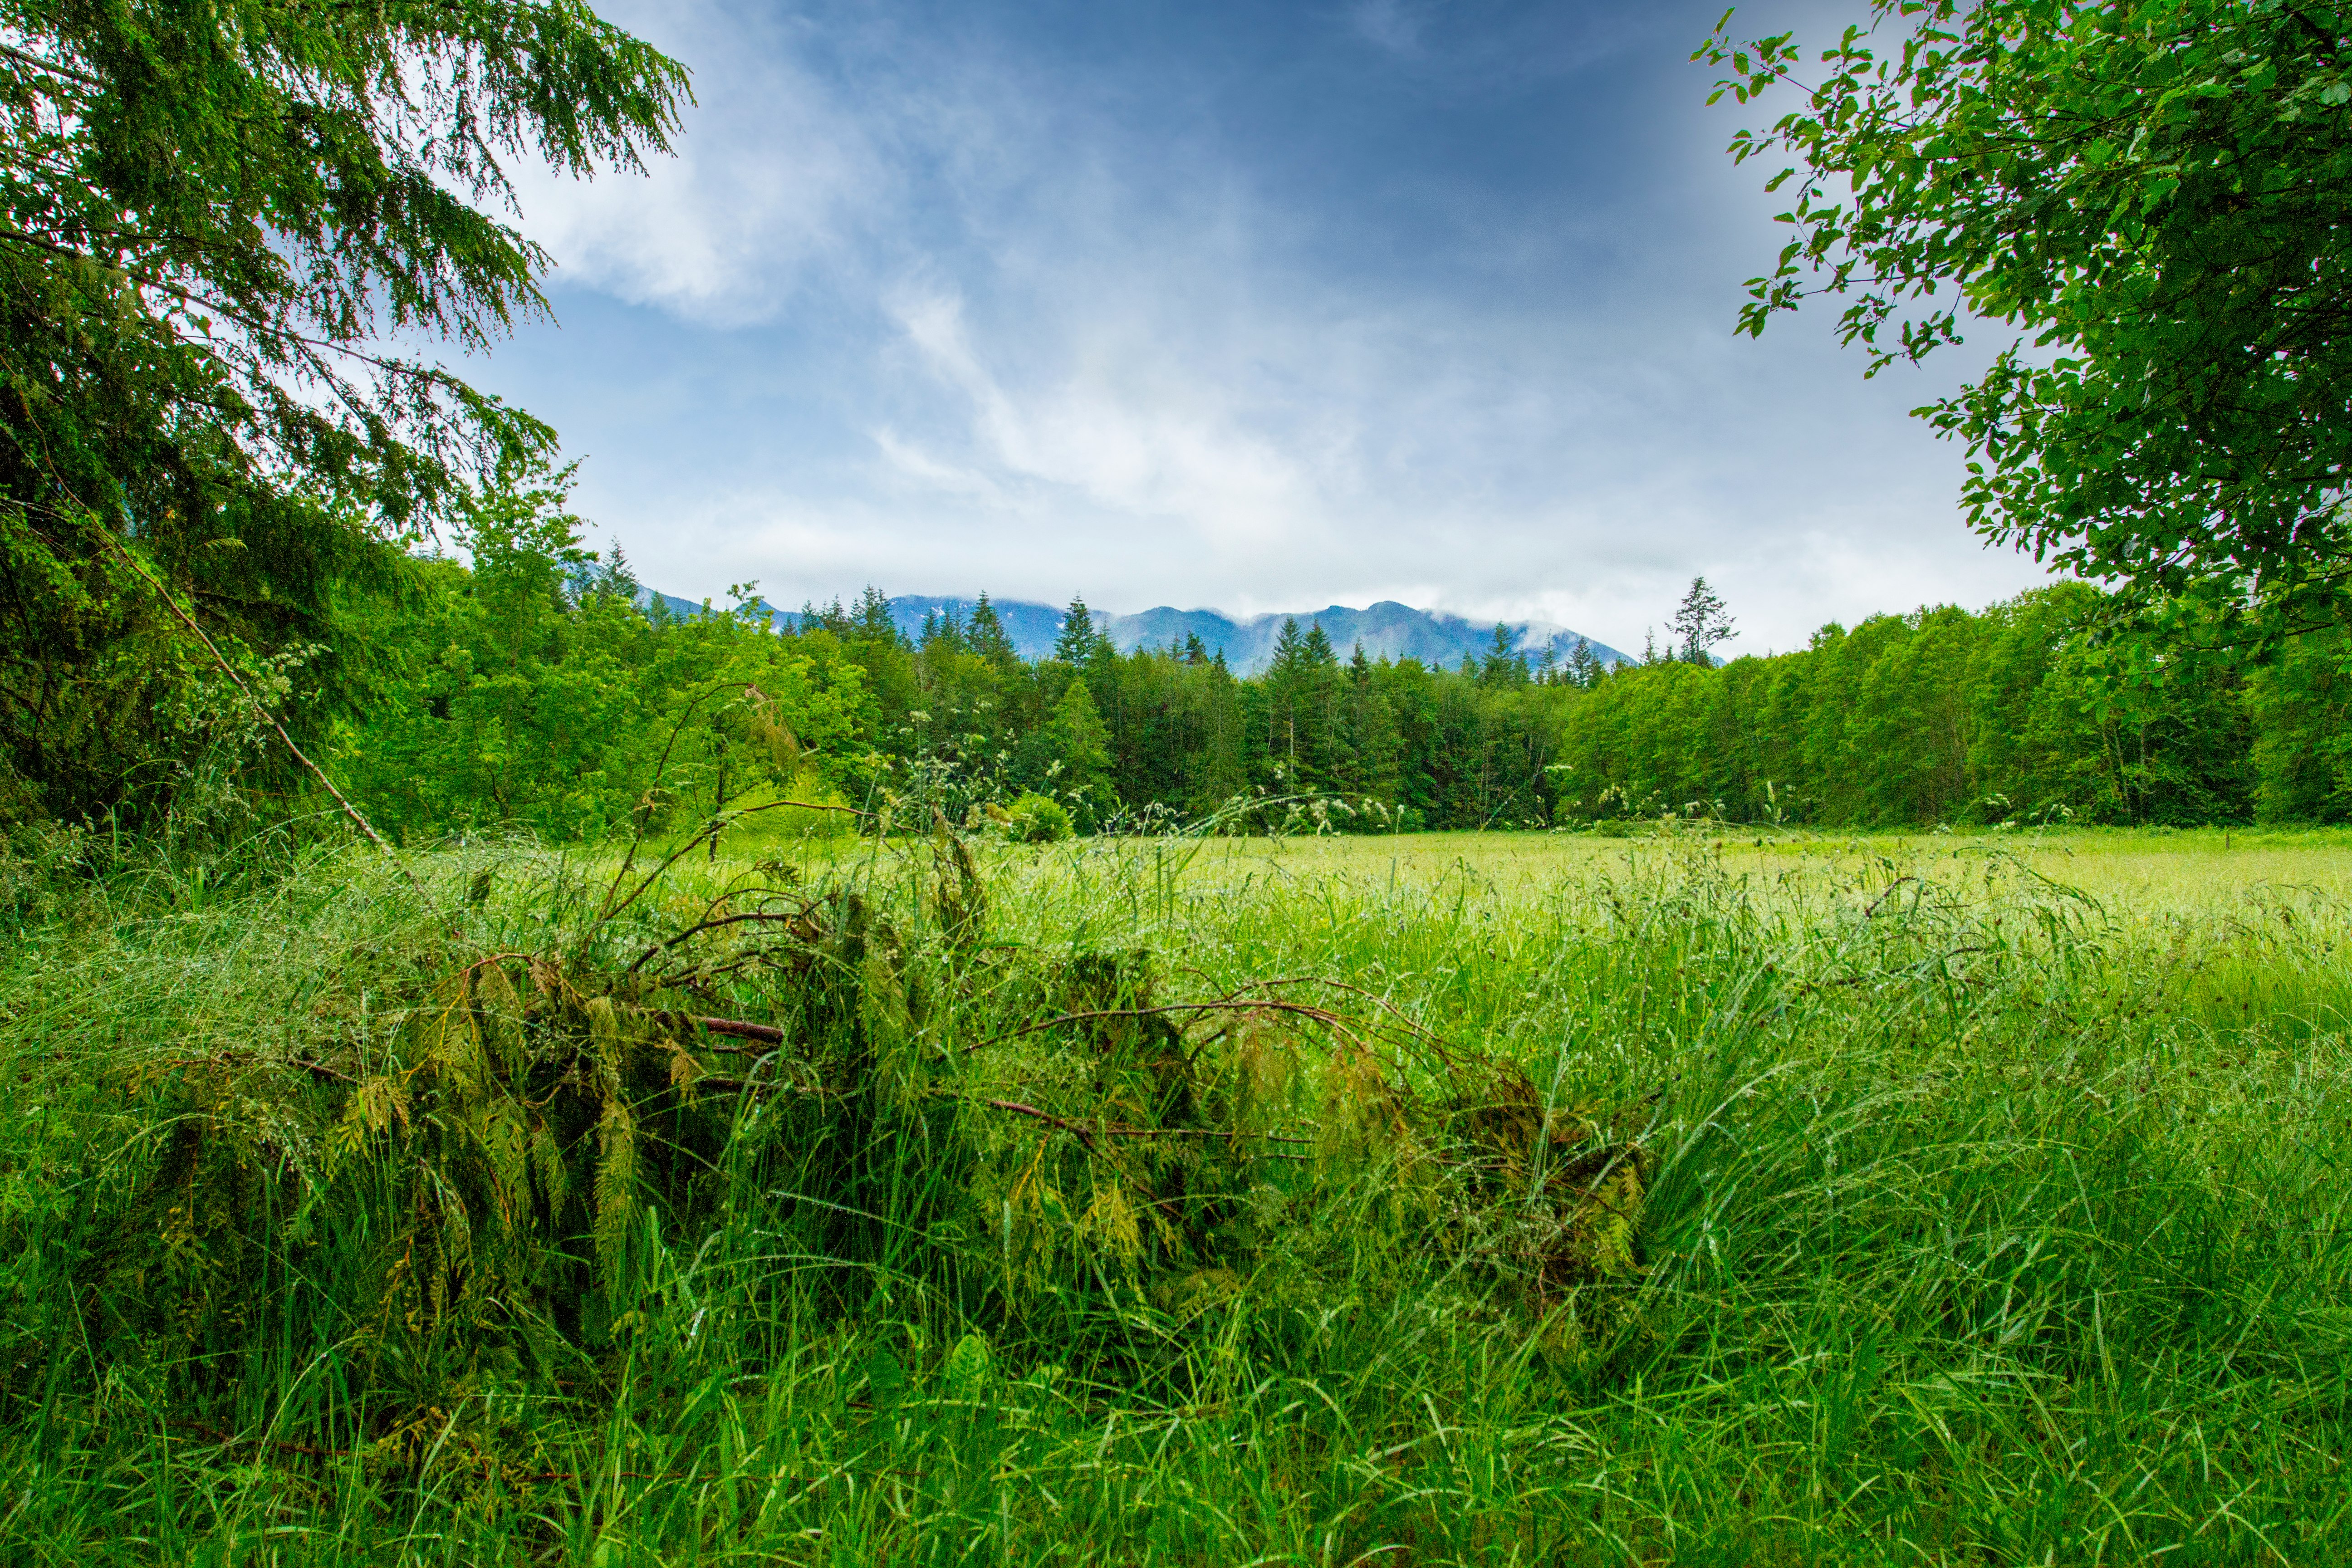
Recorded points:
(741, 1029)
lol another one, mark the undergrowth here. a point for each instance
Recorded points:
(965, 1202)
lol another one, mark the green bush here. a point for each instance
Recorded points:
(1038, 819)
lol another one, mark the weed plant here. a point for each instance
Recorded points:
(1092, 1204)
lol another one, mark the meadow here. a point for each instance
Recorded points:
(1706, 1198)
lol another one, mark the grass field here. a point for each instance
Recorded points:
(1496, 1199)
(2136, 872)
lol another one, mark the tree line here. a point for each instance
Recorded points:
(537, 686)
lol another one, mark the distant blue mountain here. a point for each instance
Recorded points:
(1387, 630)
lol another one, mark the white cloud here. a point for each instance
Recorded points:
(774, 176)
(1033, 351)
(931, 472)
(1390, 24)
(1120, 423)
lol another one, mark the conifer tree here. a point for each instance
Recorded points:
(987, 636)
(1503, 666)
(1289, 649)
(218, 225)
(943, 631)
(1079, 641)
(611, 578)
(872, 619)
(1699, 624)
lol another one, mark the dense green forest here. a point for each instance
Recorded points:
(531, 689)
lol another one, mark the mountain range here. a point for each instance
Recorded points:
(1387, 630)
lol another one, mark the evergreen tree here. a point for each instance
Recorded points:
(1289, 649)
(1699, 624)
(1370, 742)
(872, 619)
(218, 227)
(1318, 652)
(611, 578)
(832, 619)
(1503, 666)
(1196, 653)
(943, 631)
(986, 635)
(1079, 642)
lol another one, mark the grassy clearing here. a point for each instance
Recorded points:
(2135, 871)
(1860, 1202)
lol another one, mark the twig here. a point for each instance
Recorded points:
(740, 1028)
(1083, 1134)
(49, 66)
(1423, 1030)
(712, 925)
(1873, 910)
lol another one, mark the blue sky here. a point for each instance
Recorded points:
(1257, 306)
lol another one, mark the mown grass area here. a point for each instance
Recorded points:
(1498, 1200)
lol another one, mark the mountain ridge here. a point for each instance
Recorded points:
(1387, 629)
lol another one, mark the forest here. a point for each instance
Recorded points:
(531, 689)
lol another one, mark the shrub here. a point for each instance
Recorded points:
(1038, 819)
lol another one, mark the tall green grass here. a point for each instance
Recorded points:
(1959, 1219)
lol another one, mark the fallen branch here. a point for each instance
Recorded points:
(1083, 1134)
(712, 925)
(742, 1029)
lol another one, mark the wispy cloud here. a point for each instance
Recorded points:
(936, 302)
(1391, 24)
(776, 176)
